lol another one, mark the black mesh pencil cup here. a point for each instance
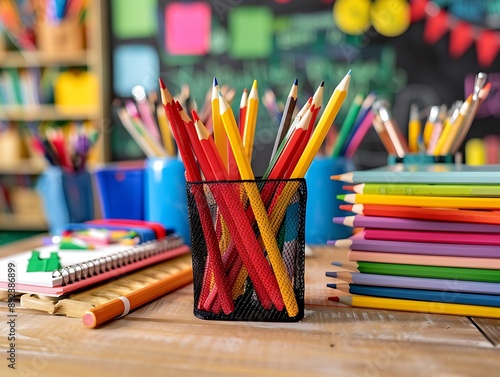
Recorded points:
(248, 247)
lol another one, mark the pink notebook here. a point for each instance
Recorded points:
(82, 268)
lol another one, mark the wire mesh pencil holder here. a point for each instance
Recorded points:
(248, 244)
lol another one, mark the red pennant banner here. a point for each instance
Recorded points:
(461, 37)
(435, 27)
(418, 9)
(487, 47)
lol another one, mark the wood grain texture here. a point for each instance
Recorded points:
(490, 328)
(164, 338)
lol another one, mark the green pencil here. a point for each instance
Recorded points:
(433, 272)
(347, 125)
(490, 191)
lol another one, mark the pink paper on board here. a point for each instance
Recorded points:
(188, 28)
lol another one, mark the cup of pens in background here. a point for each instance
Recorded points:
(66, 185)
(247, 235)
(163, 184)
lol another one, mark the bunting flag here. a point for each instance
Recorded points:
(463, 34)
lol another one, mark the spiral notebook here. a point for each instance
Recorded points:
(82, 268)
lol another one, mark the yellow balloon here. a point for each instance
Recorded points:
(352, 16)
(390, 17)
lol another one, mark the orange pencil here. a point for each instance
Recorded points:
(121, 306)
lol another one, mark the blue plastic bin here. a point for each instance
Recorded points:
(120, 187)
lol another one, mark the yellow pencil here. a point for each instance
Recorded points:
(251, 120)
(219, 133)
(429, 125)
(419, 306)
(414, 129)
(448, 124)
(166, 133)
(258, 208)
(457, 126)
(423, 201)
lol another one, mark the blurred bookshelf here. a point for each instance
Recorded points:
(24, 107)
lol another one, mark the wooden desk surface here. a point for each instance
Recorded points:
(165, 339)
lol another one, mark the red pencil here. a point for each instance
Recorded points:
(436, 214)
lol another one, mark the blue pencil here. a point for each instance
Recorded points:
(426, 295)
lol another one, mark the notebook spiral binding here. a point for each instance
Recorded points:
(80, 271)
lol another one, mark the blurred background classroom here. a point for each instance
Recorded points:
(73, 74)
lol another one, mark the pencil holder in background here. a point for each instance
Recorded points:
(120, 189)
(61, 38)
(236, 274)
(420, 159)
(165, 194)
(67, 197)
(322, 202)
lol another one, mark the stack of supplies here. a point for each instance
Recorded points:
(429, 239)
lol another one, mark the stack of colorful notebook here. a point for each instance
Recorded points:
(428, 239)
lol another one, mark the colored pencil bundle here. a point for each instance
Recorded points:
(241, 244)
(67, 146)
(422, 244)
(443, 131)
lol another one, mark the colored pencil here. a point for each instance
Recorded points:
(425, 260)
(278, 209)
(359, 243)
(360, 134)
(423, 201)
(324, 123)
(429, 124)
(121, 306)
(166, 133)
(286, 119)
(251, 120)
(399, 143)
(139, 94)
(219, 134)
(479, 83)
(382, 133)
(437, 214)
(258, 208)
(425, 190)
(417, 283)
(243, 112)
(419, 306)
(437, 237)
(419, 294)
(414, 129)
(347, 125)
(357, 132)
(408, 224)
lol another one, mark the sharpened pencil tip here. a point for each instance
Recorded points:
(346, 207)
(335, 177)
(334, 298)
(331, 274)
(254, 85)
(349, 73)
(322, 84)
(296, 82)
(332, 285)
(338, 264)
(215, 81)
(162, 84)
(341, 197)
(348, 187)
(196, 118)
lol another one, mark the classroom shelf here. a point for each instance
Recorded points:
(17, 222)
(40, 59)
(25, 167)
(45, 112)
